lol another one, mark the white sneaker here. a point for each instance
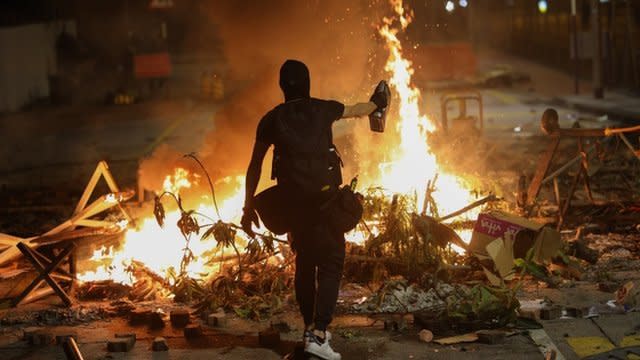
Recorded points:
(316, 346)
(307, 333)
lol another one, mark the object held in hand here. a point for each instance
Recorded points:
(381, 96)
(249, 216)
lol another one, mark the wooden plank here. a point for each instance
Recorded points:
(94, 223)
(81, 214)
(581, 132)
(12, 252)
(567, 202)
(470, 337)
(9, 254)
(568, 165)
(102, 170)
(544, 343)
(75, 234)
(585, 169)
(96, 207)
(37, 294)
(556, 193)
(628, 143)
(541, 170)
(45, 272)
(9, 240)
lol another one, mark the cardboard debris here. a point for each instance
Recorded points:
(503, 237)
(629, 295)
(501, 252)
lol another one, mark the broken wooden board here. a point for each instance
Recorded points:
(545, 344)
(465, 338)
(81, 215)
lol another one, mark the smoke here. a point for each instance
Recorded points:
(335, 38)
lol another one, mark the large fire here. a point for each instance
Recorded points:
(411, 164)
(408, 167)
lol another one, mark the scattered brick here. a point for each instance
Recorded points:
(550, 313)
(180, 318)
(395, 323)
(139, 317)
(217, 320)
(398, 324)
(156, 320)
(281, 326)
(121, 344)
(159, 344)
(62, 338)
(430, 320)
(41, 338)
(269, 338)
(576, 312)
(533, 314)
(27, 333)
(490, 336)
(192, 331)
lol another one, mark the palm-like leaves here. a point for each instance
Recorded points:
(188, 224)
(158, 211)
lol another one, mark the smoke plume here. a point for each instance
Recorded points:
(335, 38)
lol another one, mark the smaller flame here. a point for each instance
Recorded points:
(181, 179)
(122, 224)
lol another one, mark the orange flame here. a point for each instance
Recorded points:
(160, 249)
(180, 179)
(411, 164)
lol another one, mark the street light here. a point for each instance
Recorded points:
(543, 6)
(450, 6)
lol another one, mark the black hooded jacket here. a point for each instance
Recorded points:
(305, 158)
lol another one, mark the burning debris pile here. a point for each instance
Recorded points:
(251, 280)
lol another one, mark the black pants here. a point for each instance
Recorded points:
(319, 261)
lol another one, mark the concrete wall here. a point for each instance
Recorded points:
(27, 59)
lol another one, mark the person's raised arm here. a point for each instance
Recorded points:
(378, 100)
(358, 110)
(251, 184)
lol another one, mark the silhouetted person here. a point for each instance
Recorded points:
(307, 167)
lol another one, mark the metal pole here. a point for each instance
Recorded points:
(631, 42)
(71, 350)
(576, 58)
(598, 91)
(628, 143)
